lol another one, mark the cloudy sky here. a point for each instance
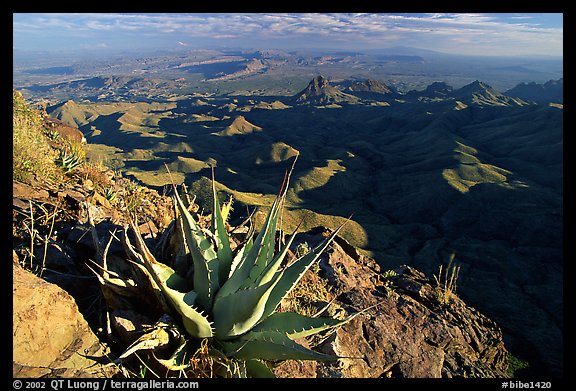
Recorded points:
(475, 34)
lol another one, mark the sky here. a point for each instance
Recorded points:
(500, 34)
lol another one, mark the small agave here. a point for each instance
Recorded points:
(230, 297)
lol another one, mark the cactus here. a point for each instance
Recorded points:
(230, 297)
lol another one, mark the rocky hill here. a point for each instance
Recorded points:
(370, 89)
(410, 325)
(480, 93)
(551, 91)
(320, 92)
(239, 126)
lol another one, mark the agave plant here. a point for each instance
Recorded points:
(69, 160)
(230, 297)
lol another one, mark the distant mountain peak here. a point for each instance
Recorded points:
(70, 103)
(550, 92)
(439, 87)
(480, 93)
(320, 92)
(317, 85)
(476, 86)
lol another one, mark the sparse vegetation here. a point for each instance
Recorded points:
(70, 157)
(386, 280)
(446, 282)
(516, 365)
(32, 156)
(302, 248)
(36, 229)
(111, 195)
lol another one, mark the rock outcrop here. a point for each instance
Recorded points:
(65, 131)
(50, 336)
(404, 331)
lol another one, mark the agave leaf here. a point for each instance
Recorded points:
(262, 252)
(270, 270)
(182, 260)
(221, 235)
(266, 251)
(111, 278)
(297, 326)
(144, 279)
(172, 286)
(204, 258)
(240, 251)
(180, 359)
(237, 313)
(242, 271)
(258, 368)
(156, 338)
(226, 209)
(163, 273)
(272, 346)
(293, 273)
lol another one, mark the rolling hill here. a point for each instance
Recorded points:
(239, 126)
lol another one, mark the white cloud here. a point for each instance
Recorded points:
(439, 29)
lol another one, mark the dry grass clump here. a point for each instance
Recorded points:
(446, 282)
(310, 295)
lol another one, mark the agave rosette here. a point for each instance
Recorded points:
(230, 297)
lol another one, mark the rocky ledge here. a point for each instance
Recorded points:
(406, 328)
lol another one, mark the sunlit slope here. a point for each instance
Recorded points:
(238, 127)
(294, 215)
(405, 164)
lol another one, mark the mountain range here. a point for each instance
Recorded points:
(551, 91)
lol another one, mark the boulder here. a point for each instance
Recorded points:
(50, 335)
(64, 130)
